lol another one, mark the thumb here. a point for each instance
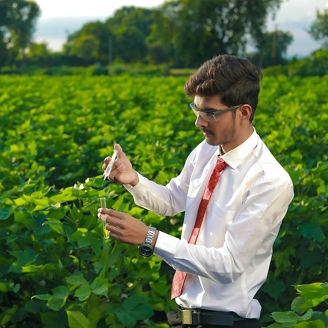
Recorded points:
(119, 150)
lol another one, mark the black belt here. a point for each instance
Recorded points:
(207, 317)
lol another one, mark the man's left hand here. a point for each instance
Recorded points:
(123, 227)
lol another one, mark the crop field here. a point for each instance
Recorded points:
(56, 270)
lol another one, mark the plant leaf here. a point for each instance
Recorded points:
(77, 319)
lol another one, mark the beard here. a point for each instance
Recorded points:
(221, 136)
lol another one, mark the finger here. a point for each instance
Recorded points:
(106, 162)
(114, 231)
(112, 213)
(117, 168)
(114, 235)
(117, 214)
(114, 171)
(119, 150)
(112, 222)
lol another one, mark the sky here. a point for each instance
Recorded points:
(62, 17)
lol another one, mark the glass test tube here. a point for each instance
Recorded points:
(103, 205)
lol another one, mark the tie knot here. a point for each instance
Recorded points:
(220, 164)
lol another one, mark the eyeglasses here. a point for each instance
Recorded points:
(211, 115)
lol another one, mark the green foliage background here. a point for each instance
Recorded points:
(55, 267)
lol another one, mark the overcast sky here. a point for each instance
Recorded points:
(62, 17)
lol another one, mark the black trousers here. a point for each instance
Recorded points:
(175, 322)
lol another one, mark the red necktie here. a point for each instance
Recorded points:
(180, 277)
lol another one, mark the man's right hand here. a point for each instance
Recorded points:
(122, 171)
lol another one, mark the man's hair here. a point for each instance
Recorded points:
(235, 79)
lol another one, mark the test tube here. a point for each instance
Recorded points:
(103, 204)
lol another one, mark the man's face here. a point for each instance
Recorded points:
(225, 130)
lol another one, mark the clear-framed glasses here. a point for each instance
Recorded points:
(211, 115)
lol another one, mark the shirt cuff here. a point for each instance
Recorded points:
(166, 246)
(138, 187)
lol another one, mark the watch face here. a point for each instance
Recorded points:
(145, 250)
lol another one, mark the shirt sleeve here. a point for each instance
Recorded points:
(164, 200)
(251, 233)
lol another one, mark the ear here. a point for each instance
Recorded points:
(245, 111)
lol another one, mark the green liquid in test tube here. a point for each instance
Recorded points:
(103, 205)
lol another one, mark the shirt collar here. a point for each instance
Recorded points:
(235, 156)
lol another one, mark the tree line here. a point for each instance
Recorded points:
(179, 33)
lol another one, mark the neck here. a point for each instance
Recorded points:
(241, 138)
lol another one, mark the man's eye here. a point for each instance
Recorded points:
(210, 114)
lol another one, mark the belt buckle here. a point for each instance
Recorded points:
(186, 317)
(190, 317)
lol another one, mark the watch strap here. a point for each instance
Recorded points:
(150, 236)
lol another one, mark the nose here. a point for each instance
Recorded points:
(200, 122)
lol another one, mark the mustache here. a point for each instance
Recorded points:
(206, 131)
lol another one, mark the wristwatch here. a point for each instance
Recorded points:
(146, 248)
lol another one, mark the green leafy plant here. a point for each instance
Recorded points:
(303, 312)
(55, 267)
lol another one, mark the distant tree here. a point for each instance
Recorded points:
(5, 8)
(92, 30)
(130, 27)
(86, 47)
(129, 44)
(140, 18)
(319, 28)
(199, 30)
(3, 49)
(125, 33)
(17, 23)
(160, 40)
(38, 53)
(180, 33)
(272, 48)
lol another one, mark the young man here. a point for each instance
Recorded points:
(234, 195)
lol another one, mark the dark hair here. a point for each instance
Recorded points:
(234, 78)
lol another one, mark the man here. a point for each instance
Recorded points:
(234, 195)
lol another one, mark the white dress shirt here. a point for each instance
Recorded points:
(231, 259)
